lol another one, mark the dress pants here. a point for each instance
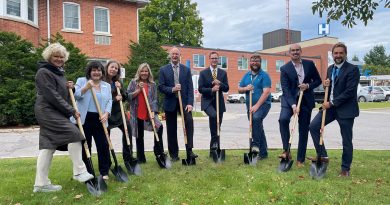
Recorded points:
(212, 113)
(44, 160)
(158, 147)
(303, 126)
(93, 127)
(126, 152)
(171, 117)
(346, 126)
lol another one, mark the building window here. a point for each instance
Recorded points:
(72, 16)
(278, 87)
(30, 10)
(279, 63)
(102, 20)
(13, 7)
(102, 40)
(199, 61)
(223, 62)
(242, 63)
(264, 65)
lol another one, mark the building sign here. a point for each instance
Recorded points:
(123, 71)
(323, 29)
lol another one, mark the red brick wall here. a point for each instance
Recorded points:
(123, 27)
(234, 74)
(25, 30)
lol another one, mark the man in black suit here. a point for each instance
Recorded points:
(298, 74)
(343, 79)
(213, 80)
(176, 77)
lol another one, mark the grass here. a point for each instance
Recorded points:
(369, 105)
(207, 183)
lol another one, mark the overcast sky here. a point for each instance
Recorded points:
(240, 24)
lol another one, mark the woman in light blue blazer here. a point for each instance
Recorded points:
(89, 114)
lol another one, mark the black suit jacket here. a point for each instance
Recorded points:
(289, 82)
(167, 82)
(205, 88)
(345, 90)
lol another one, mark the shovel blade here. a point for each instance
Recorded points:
(250, 158)
(163, 161)
(285, 165)
(93, 187)
(119, 174)
(318, 169)
(101, 184)
(188, 162)
(218, 155)
(133, 167)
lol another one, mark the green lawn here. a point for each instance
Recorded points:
(207, 183)
(369, 105)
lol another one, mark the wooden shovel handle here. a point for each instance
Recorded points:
(79, 124)
(150, 115)
(295, 120)
(323, 116)
(123, 118)
(217, 102)
(182, 117)
(250, 114)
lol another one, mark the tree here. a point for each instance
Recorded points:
(376, 69)
(148, 50)
(75, 66)
(173, 22)
(349, 11)
(377, 56)
(355, 58)
(18, 61)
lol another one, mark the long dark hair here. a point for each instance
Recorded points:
(117, 76)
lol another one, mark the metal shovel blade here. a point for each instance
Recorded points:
(250, 158)
(119, 174)
(93, 187)
(163, 161)
(246, 158)
(101, 184)
(218, 155)
(285, 164)
(133, 167)
(188, 162)
(318, 169)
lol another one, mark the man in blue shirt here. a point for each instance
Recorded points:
(259, 83)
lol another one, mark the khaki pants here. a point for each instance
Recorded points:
(45, 157)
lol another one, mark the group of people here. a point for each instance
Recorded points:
(53, 107)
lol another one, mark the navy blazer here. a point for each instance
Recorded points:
(289, 82)
(167, 82)
(205, 88)
(345, 90)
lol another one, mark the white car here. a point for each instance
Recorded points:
(386, 91)
(276, 97)
(233, 98)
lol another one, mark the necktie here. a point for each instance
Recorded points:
(214, 74)
(176, 74)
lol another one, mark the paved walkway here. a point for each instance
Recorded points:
(371, 132)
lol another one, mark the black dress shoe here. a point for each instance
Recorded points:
(175, 158)
(214, 146)
(192, 155)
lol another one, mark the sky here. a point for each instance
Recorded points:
(240, 24)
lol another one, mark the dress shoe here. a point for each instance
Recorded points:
(175, 158)
(105, 177)
(323, 159)
(284, 155)
(83, 177)
(300, 164)
(255, 150)
(214, 146)
(192, 155)
(262, 157)
(47, 188)
(344, 173)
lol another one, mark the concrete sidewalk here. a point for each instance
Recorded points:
(371, 132)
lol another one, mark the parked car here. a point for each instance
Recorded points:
(277, 96)
(236, 98)
(370, 94)
(319, 94)
(386, 91)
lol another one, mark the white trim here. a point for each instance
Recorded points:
(66, 30)
(108, 33)
(204, 60)
(220, 62)
(23, 18)
(63, 16)
(241, 67)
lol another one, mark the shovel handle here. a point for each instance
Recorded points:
(217, 102)
(150, 115)
(78, 120)
(250, 117)
(295, 120)
(123, 118)
(182, 117)
(323, 116)
(100, 115)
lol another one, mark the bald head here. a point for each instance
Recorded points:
(295, 52)
(174, 55)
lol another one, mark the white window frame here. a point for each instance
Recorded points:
(23, 18)
(276, 65)
(63, 17)
(240, 67)
(264, 68)
(204, 60)
(108, 33)
(220, 62)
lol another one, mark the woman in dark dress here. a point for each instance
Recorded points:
(52, 111)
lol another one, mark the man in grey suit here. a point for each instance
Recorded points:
(213, 80)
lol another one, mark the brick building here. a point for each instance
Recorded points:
(102, 29)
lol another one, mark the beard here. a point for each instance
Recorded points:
(255, 69)
(339, 60)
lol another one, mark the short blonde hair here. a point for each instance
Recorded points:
(55, 48)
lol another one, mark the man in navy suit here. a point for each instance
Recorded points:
(213, 80)
(298, 74)
(175, 77)
(343, 79)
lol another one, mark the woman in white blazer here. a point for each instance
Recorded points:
(89, 114)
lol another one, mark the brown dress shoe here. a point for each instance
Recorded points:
(284, 155)
(323, 159)
(300, 164)
(344, 173)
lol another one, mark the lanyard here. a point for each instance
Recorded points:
(253, 79)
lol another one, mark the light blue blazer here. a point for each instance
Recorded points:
(83, 100)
